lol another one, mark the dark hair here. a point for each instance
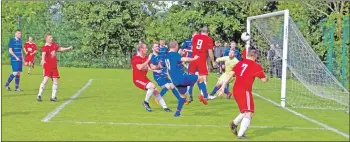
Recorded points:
(18, 30)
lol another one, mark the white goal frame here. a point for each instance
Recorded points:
(285, 47)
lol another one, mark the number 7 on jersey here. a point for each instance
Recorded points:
(244, 66)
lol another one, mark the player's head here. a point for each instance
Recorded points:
(142, 49)
(194, 33)
(30, 39)
(18, 34)
(252, 54)
(48, 38)
(204, 30)
(233, 44)
(162, 42)
(231, 54)
(173, 45)
(155, 47)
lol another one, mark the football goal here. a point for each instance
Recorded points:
(297, 75)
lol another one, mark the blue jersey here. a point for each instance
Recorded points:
(16, 46)
(162, 52)
(187, 47)
(174, 66)
(155, 61)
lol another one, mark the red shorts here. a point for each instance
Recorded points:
(244, 100)
(52, 73)
(141, 83)
(200, 66)
(29, 58)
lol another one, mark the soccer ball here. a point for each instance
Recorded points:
(245, 36)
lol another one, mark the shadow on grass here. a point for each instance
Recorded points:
(15, 113)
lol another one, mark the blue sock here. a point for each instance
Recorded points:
(180, 102)
(190, 90)
(226, 89)
(17, 81)
(203, 87)
(214, 90)
(9, 80)
(163, 91)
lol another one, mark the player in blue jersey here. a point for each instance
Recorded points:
(181, 80)
(15, 49)
(159, 73)
(186, 51)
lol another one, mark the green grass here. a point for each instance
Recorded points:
(112, 97)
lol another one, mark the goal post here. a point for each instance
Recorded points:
(285, 13)
(302, 80)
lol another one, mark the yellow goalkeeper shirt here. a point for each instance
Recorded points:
(229, 62)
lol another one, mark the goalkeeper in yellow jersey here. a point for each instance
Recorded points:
(230, 62)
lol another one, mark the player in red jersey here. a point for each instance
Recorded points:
(140, 66)
(202, 44)
(30, 50)
(49, 61)
(245, 71)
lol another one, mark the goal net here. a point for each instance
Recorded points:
(297, 76)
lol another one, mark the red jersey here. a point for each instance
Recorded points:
(200, 46)
(136, 73)
(30, 47)
(50, 57)
(246, 71)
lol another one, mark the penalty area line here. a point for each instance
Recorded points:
(59, 108)
(181, 125)
(301, 115)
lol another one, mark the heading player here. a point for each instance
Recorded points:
(245, 71)
(140, 68)
(49, 61)
(202, 44)
(30, 49)
(15, 49)
(181, 80)
(230, 62)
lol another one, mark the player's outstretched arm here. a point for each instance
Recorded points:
(221, 59)
(188, 59)
(65, 48)
(264, 80)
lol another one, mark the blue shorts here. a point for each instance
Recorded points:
(161, 81)
(184, 81)
(16, 66)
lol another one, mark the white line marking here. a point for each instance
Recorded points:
(182, 125)
(302, 116)
(59, 108)
(305, 117)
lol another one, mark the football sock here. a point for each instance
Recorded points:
(190, 90)
(9, 80)
(41, 89)
(17, 81)
(54, 90)
(244, 126)
(203, 88)
(238, 118)
(163, 91)
(226, 88)
(216, 88)
(161, 101)
(29, 69)
(180, 102)
(148, 94)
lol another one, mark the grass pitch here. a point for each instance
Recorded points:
(110, 109)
